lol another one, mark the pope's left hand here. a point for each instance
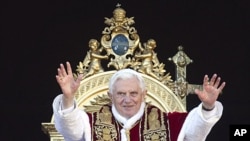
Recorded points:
(211, 90)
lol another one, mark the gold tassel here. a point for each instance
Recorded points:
(127, 134)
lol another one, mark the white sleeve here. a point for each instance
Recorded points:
(72, 123)
(199, 123)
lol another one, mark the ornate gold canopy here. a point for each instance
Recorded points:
(120, 47)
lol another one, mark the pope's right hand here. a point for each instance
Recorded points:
(68, 84)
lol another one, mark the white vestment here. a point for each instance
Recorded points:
(73, 123)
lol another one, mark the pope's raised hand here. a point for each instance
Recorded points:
(67, 83)
(211, 90)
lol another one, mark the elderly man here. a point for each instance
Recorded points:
(129, 118)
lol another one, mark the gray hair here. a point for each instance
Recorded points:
(126, 74)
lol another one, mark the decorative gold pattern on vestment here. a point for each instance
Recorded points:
(127, 132)
(104, 129)
(154, 126)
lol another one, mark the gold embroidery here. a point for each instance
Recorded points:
(155, 137)
(127, 134)
(153, 120)
(106, 134)
(154, 128)
(105, 115)
(104, 129)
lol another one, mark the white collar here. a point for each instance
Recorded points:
(127, 123)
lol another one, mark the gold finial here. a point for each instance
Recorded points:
(180, 48)
(118, 5)
(119, 14)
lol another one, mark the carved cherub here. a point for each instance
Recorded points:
(95, 58)
(148, 57)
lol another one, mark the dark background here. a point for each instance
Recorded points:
(37, 36)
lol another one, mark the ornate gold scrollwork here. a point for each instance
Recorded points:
(121, 45)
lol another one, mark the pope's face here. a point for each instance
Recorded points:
(127, 97)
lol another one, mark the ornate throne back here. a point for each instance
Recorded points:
(121, 48)
(92, 93)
